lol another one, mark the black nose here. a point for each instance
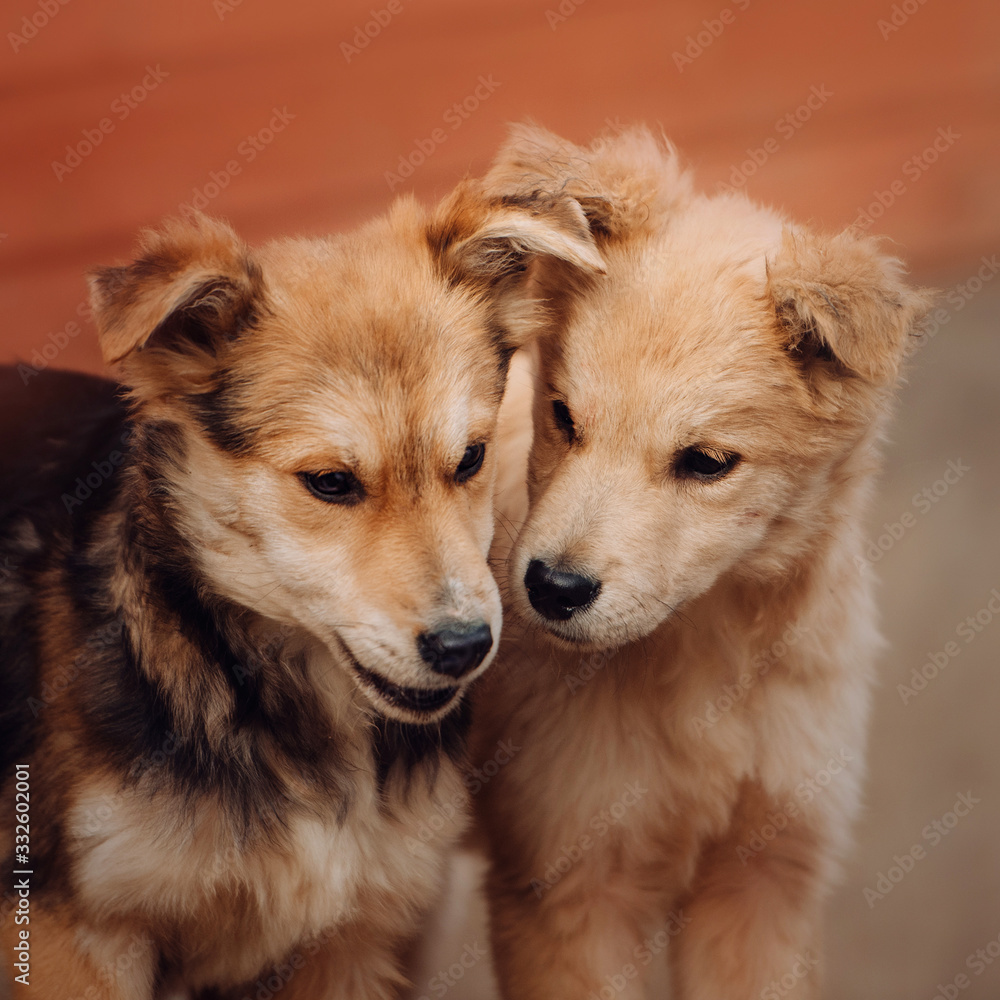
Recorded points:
(455, 649)
(557, 593)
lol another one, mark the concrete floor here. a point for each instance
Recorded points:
(943, 743)
(945, 740)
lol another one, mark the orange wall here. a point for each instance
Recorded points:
(219, 69)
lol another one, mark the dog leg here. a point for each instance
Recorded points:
(69, 961)
(754, 927)
(564, 945)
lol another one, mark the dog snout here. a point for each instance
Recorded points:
(557, 594)
(456, 648)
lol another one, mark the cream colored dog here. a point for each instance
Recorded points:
(691, 631)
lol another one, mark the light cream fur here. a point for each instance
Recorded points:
(724, 668)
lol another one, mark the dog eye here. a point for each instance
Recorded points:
(333, 486)
(564, 419)
(705, 464)
(472, 462)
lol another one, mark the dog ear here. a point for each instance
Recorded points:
(191, 289)
(625, 182)
(483, 239)
(526, 255)
(839, 299)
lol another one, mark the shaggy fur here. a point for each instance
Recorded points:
(692, 741)
(214, 673)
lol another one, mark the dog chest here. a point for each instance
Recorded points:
(232, 907)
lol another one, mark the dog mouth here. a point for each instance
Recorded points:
(585, 634)
(422, 701)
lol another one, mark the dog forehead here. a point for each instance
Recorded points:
(397, 402)
(673, 354)
(364, 416)
(343, 358)
(684, 326)
(363, 294)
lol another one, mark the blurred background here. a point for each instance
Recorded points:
(308, 117)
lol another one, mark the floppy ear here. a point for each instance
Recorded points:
(838, 298)
(517, 252)
(492, 239)
(625, 182)
(192, 288)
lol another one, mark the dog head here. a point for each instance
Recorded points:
(317, 418)
(710, 406)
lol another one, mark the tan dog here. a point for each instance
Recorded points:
(692, 633)
(239, 613)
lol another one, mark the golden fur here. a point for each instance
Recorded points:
(722, 671)
(214, 673)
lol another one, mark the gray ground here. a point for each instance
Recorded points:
(945, 740)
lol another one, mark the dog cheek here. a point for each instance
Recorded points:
(546, 455)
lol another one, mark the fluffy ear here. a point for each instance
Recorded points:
(527, 255)
(483, 239)
(625, 183)
(192, 287)
(838, 298)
